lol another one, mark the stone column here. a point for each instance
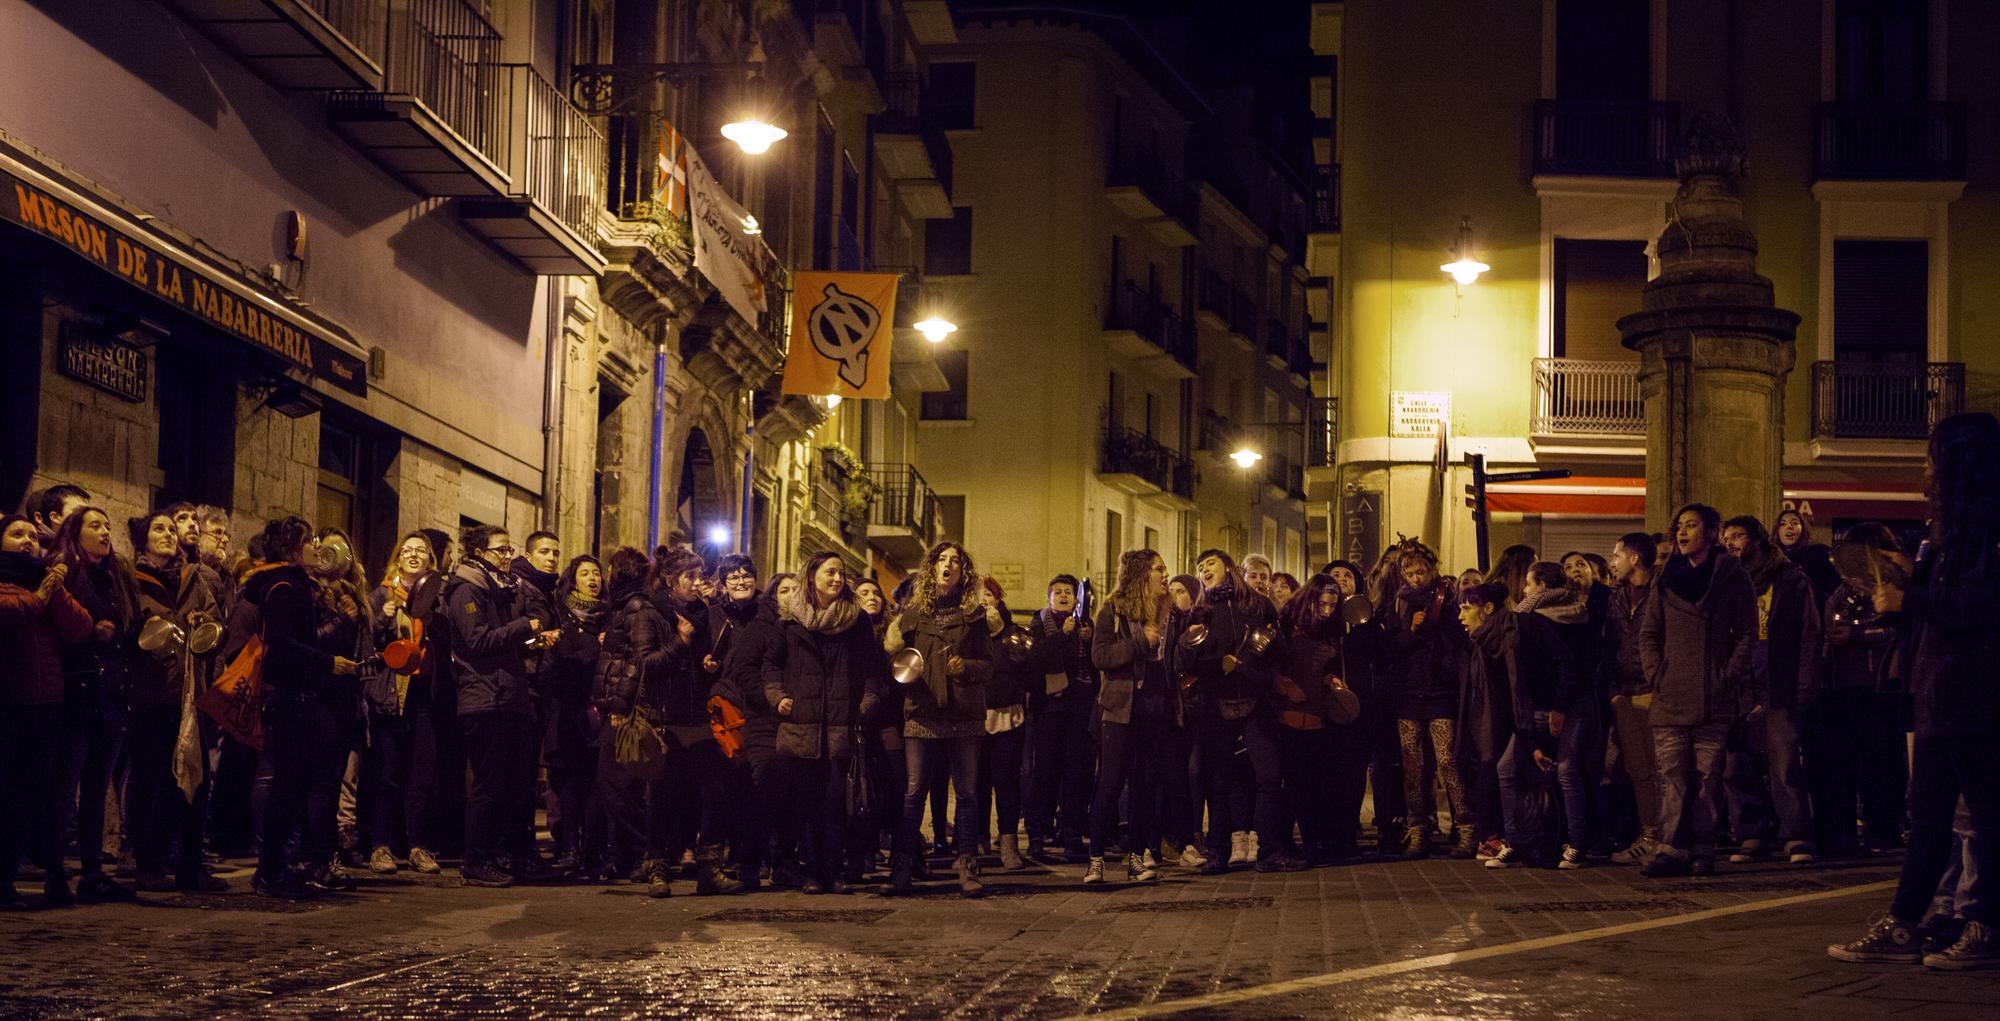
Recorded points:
(1714, 349)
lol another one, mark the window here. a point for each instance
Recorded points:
(1294, 556)
(826, 151)
(1114, 542)
(1114, 402)
(1881, 301)
(951, 517)
(1596, 282)
(951, 95)
(1603, 53)
(1880, 51)
(948, 405)
(1153, 539)
(948, 244)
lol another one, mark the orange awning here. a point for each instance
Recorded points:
(1613, 496)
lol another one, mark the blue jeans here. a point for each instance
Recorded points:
(926, 756)
(1578, 734)
(1690, 763)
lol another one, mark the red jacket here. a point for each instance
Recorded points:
(32, 634)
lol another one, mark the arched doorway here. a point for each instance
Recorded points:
(700, 508)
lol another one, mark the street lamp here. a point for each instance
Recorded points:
(1464, 268)
(754, 135)
(935, 328)
(1246, 457)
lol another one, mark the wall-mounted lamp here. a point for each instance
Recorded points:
(1464, 268)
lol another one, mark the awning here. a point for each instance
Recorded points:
(168, 270)
(1611, 496)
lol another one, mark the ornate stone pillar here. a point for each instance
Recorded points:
(1714, 349)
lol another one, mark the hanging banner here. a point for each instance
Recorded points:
(732, 259)
(842, 330)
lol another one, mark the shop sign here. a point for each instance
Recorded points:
(180, 280)
(115, 368)
(1416, 413)
(1012, 578)
(1361, 527)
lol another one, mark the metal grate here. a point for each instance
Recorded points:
(800, 916)
(1558, 907)
(1175, 907)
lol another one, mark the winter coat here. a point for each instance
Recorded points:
(616, 686)
(1787, 669)
(939, 636)
(1066, 654)
(1428, 655)
(1486, 692)
(1305, 660)
(833, 681)
(538, 602)
(488, 632)
(1014, 675)
(286, 599)
(676, 686)
(1953, 645)
(1697, 639)
(33, 632)
(1570, 680)
(1118, 647)
(1228, 620)
(1624, 673)
(387, 692)
(1548, 675)
(1857, 640)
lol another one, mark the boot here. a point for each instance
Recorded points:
(1037, 851)
(1010, 853)
(1414, 843)
(967, 868)
(902, 866)
(659, 882)
(1239, 848)
(1466, 846)
(711, 880)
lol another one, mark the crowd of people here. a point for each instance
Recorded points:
(1730, 689)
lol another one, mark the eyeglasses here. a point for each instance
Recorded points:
(505, 551)
(739, 576)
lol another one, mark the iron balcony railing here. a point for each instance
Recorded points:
(1131, 452)
(1127, 307)
(444, 54)
(1883, 141)
(1578, 396)
(1884, 400)
(905, 500)
(1142, 167)
(1281, 474)
(903, 95)
(1220, 435)
(1612, 139)
(555, 156)
(1325, 211)
(363, 23)
(1322, 431)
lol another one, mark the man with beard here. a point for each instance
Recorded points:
(1784, 683)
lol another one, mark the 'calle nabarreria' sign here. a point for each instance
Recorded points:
(117, 369)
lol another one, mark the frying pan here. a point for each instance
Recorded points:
(1356, 610)
(907, 666)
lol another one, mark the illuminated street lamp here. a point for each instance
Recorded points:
(936, 328)
(1464, 268)
(1246, 457)
(754, 135)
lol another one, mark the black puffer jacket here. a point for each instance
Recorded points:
(746, 639)
(1059, 653)
(489, 632)
(1229, 618)
(676, 684)
(286, 601)
(832, 680)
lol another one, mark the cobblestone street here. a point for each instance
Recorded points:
(1360, 941)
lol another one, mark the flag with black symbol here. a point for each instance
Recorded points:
(842, 329)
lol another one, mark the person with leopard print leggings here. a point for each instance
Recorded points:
(1431, 643)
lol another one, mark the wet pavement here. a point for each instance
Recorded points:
(1360, 941)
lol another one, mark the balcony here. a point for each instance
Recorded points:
(1883, 142)
(1583, 397)
(1322, 431)
(1142, 186)
(1594, 139)
(1884, 400)
(838, 505)
(903, 520)
(1132, 462)
(647, 243)
(1220, 436)
(1287, 481)
(547, 219)
(911, 149)
(437, 121)
(298, 44)
(1145, 329)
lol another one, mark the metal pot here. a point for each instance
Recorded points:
(1356, 610)
(1020, 642)
(1342, 705)
(1195, 636)
(162, 635)
(1257, 642)
(424, 596)
(907, 666)
(207, 637)
(402, 655)
(333, 557)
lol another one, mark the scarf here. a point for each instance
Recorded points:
(1688, 581)
(22, 569)
(1764, 563)
(831, 619)
(540, 579)
(742, 613)
(582, 607)
(1561, 605)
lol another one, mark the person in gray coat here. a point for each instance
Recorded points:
(1696, 644)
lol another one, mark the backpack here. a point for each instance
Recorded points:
(1540, 810)
(236, 699)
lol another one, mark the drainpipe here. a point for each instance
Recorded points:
(659, 430)
(552, 404)
(743, 510)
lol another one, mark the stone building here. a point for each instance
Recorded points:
(1552, 127)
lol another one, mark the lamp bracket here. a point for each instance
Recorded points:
(602, 89)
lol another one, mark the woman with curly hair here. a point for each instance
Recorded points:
(1129, 644)
(1233, 691)
(944, 719)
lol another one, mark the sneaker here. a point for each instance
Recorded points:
(1415, 843)
(812, 887)
(1941, 933)
(1572, 858)
(423, 861)
(286, 885)
(659, 884)
(1976, 948)
(1192, 858)
(1635, 853)
(1250, 847)
(1508, 858)
(1704, 865)
(1665, 865)
(1139, 869)
(1489, 849)
(1750, 852)
(100, 887)
(1094, 872)
(383, 861)
(1800, 852)
(1888, 941)
(333, 878)
(485, 875)
(1149, 861)
(1216, 866)
(1239, 848)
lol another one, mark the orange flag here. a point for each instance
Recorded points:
(842, 330)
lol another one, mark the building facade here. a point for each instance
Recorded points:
(1550, 128)
(423, 263)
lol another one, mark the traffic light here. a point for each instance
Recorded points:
(1475, 491)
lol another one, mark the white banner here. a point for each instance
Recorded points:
(734, 261)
